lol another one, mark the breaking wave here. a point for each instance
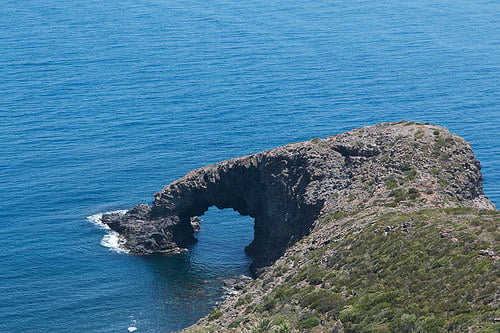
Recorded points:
(112, 240)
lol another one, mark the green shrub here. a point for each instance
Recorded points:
(284, 292)
(399, 194)
(405, 324)
(432, 325)
(280, 270)
(391, 183)
(419, 134)
(411, 174)
(269, 303)
(234, 323)
(323, 301)
(243, 300)
(413, 193)
(214, 315)
(309, 322)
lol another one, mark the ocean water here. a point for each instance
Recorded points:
(103, 102)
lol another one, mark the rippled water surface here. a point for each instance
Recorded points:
(103, 102)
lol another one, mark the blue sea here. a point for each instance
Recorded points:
(103, 102)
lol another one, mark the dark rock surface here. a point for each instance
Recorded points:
(404, 166)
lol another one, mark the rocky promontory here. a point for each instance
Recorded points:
(287, 190)
(380, 229)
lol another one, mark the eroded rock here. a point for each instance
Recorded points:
(286, 190)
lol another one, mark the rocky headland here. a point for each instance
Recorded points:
(334, 218)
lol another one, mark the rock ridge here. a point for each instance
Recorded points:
(402, 166)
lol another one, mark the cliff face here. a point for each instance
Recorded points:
(400, 166)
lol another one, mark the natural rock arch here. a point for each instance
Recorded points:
(287, 189)
(270, 190)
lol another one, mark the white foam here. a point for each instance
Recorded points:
(111, 239)
(96, 218)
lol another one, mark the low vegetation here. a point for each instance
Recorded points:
(427, 271)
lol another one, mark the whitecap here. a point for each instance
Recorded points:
(111, 239)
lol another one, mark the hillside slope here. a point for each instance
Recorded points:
(433, 270)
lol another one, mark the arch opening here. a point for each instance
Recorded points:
(221, 241)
